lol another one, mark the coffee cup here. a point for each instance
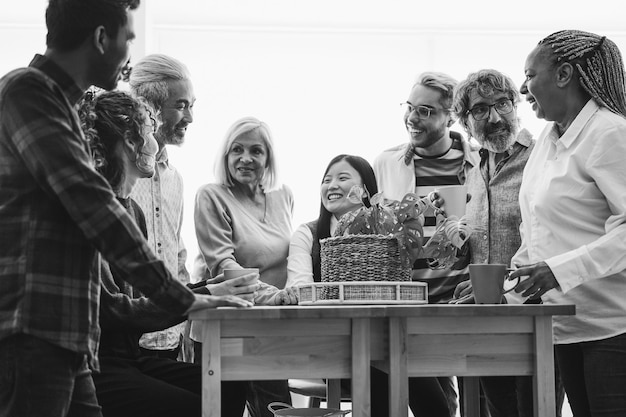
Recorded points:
(454, 199)
(488, 282)
(231, 273)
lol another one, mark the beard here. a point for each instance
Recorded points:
(498, 137)
(169, 135)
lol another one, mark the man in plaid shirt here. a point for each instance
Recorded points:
(56, 213)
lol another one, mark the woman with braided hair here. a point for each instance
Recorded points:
(573, 206)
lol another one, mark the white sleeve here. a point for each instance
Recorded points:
(299, 261)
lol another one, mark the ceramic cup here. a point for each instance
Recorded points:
(488, 282)
(454, 199)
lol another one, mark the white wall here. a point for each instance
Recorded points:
(326, 75)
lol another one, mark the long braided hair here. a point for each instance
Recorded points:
(599, 63)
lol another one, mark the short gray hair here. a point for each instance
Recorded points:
(486, 82)
(150, 76)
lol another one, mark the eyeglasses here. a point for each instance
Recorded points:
(482, 111)
(422, 112)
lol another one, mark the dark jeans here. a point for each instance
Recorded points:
(428, 398)
(594, 376)
(258, 394)
(154, 387)
(40, 379)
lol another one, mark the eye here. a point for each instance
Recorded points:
(423, 111)
(503, 105)
(480, 110)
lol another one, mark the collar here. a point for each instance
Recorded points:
(455, 136)
(67, 84)
(162, 157)
(573, 131)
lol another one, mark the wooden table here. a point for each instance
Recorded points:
(342, 341)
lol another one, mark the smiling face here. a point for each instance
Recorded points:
(425, 133)
(497, 132)
(247, 158)
(176, 113)
(539, 86)
(335, 187)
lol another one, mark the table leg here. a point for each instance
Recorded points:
(211, 369)
(361, 360)
(543, 378)
(471, 396)
(333, 393)
(398, 361)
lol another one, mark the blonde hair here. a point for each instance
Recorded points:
(269, 180)
(599, 63)
(441, 82)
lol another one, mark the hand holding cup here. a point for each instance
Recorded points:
(243, 282)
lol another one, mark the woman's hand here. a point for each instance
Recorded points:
(286, 296)
(244, 286)
(540, 280)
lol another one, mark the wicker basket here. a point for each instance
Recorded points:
(362, 258)
(363, 292)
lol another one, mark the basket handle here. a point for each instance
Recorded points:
(271, 406)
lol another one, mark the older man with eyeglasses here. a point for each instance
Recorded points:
(486, 106)
(434, 156)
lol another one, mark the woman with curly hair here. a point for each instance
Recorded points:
(120, 133)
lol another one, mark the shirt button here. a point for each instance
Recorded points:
(159, 244)
(484, 237)
(157, 215)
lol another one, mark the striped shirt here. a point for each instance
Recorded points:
(161, 199)
(55, 212)
(431, 172)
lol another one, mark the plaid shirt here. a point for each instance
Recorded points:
(55, 212)
(161, 199)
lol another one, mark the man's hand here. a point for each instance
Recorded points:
(540, 280)
(213, 301)
(463, 293)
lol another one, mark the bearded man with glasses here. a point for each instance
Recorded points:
(433, 157)
(486, 106)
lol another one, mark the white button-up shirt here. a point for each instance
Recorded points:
(573, 206)
(161, 199)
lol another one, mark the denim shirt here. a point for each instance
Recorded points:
(494, 206)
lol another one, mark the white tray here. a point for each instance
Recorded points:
(363, 292)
